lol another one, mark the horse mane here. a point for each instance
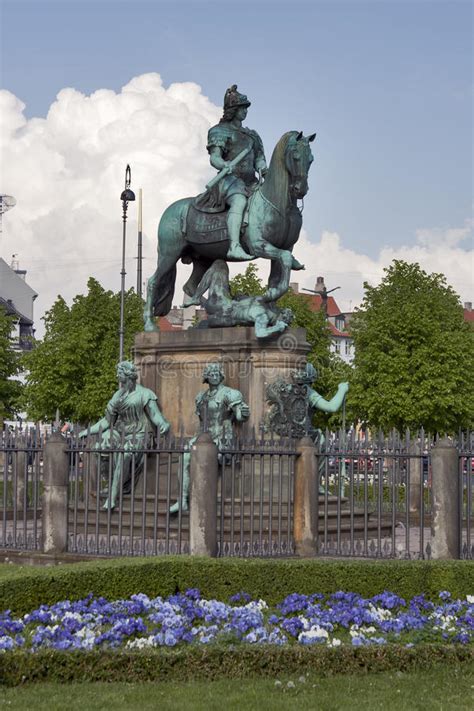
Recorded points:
(275, 187)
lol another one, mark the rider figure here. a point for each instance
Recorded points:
(225, 141)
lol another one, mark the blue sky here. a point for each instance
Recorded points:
(387, 86)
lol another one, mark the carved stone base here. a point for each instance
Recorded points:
(171, 364)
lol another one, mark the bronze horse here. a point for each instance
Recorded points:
(272, 228)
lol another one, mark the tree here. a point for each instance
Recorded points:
(73, 367)
(10, 388)
(331, 369)
(414, 354)
(247, 284)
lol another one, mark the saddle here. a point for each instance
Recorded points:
(205, 227)
(205, 221)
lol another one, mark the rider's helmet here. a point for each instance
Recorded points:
(233, 98)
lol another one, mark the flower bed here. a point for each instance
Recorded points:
(339, 619)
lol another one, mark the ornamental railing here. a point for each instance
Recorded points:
(338, 494)
(255, 497)
(139, 521)
(21, 489)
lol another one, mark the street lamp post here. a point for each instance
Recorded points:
(127, 196)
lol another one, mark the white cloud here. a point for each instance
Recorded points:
(449, 237)
(347, 268)
(67, 171)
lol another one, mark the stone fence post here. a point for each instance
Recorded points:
(445, 517)
(305, 507)
(54, 501)
(203, 497)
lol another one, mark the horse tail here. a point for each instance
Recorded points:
(164, 292)
(170, 248)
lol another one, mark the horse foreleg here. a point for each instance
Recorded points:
(282, 261)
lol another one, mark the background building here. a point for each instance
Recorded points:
(341, 342)
(17, 298)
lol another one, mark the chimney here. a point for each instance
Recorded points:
(294, 286)
(320, 285)
(468, 305)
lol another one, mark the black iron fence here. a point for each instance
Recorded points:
(374, 499)
(376, 495)
(466, 508)
(21, 454)
(255, 497)
(139, 521)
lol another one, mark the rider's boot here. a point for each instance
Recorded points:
(183, 503)
(234, 224)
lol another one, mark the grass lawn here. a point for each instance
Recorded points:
(437, 690)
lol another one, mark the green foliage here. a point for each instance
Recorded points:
(213, 662)
(73, 368)
(271, 580)
(414, 354)
(247, 284)
(10, 389)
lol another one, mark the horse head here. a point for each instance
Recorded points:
(298, 159)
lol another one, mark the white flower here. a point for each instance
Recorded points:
(335, 642)
(379, 614)
(315, 632)
(140, 643)
(470, 599)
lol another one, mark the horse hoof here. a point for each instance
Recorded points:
(150, 326)
(296, 265)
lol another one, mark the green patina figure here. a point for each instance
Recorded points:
(226, 142)
(131, 413)
(218, 408)
(294, 405)
(238, 217)
(223, 310)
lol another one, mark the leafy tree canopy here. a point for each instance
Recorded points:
(414, 354)
(73, 367)
(10, 388)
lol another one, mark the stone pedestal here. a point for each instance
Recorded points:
(171, 364)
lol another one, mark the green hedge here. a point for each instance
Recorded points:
(271, 580)
(215, 662)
